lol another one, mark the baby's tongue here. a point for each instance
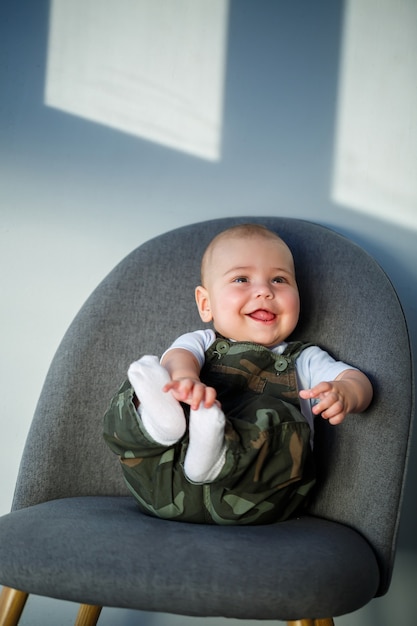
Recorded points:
(262, 315)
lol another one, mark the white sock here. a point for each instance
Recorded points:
(206, 451)
(161, 414)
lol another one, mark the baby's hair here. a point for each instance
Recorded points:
(239, 231)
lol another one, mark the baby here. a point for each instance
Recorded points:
(220, 429)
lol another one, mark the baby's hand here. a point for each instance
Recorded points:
(332, 401)
(191, 391)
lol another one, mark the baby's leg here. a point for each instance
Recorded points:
(161, 414)
(206, 451)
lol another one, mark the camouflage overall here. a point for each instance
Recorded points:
(268, 470)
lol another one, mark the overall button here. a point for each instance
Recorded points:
(281, 363)
(222, 347)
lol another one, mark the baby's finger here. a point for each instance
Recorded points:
(315, 392)
(210, 397)
(197, 396)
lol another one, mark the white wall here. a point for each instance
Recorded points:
(77, 195)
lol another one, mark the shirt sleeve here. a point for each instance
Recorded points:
(315, 365)
(196, 342)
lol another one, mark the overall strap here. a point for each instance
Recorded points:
(222, 346)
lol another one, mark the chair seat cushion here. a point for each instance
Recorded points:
(102, 550)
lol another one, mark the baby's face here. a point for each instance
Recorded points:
(250, 291)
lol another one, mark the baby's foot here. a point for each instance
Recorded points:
(162, 415)
(207, 449)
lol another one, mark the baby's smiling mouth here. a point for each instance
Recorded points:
(262, 315)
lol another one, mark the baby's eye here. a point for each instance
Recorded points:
(240, 279)
(279, 279)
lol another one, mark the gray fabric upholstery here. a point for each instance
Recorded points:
(108, 551)
(349, 308)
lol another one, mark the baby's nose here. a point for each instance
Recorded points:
(264, 290)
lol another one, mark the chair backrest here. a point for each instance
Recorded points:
(348, 307)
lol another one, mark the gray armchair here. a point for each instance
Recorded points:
(75, 533)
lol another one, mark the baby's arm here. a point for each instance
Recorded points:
(185, 385)
(350, 392)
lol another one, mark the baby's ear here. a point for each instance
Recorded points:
(203, 303)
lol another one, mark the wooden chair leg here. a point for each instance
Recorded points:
(12, 603)
(328, 621)
(87, 615)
